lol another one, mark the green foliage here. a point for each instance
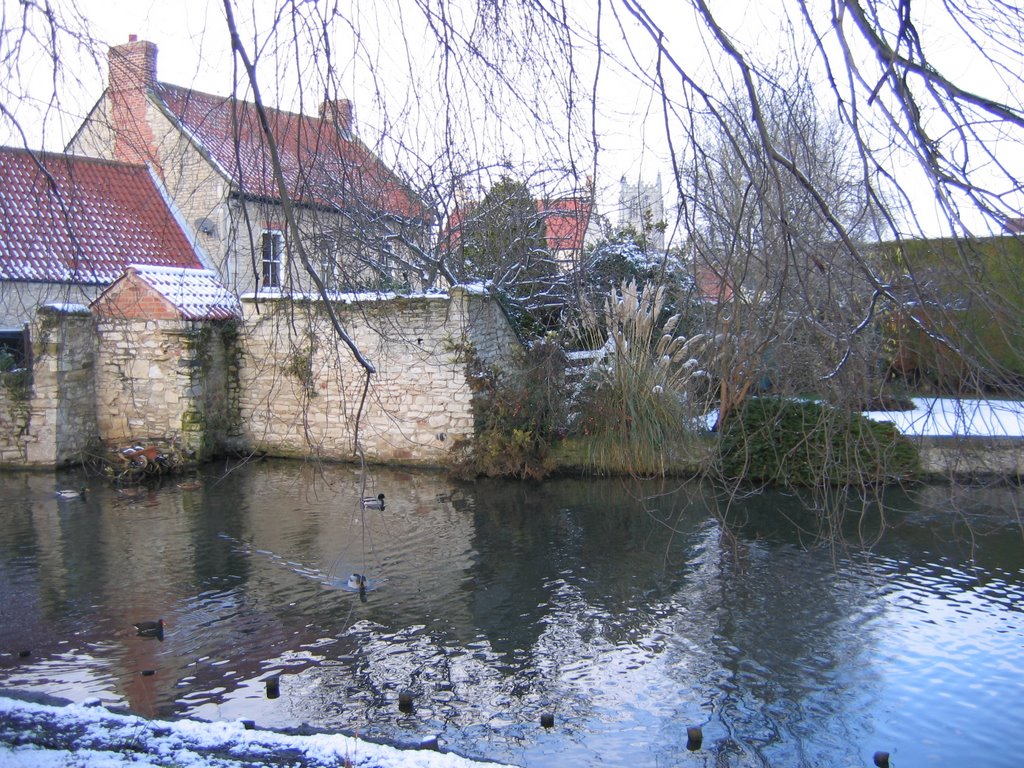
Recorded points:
(18, 384)
(503, 239)
(806, 444)
(637, 406)
(972, 296)
(518, 415)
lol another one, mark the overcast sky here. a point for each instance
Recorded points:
(389, 63)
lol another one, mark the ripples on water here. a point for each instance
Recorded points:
(622, 608)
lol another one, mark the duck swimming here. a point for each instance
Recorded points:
(357, 581)
(68, 493)
(370, 502)
(150, 629)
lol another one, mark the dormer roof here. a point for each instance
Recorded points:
(148, 292)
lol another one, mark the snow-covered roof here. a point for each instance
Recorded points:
(322, 164)
(198, 294)
(70, 219)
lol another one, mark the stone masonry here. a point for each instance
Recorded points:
(301, 388)
(281, 382)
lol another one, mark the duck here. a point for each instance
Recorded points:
(150, 629)
(69, 493)
(371, 502)
(357, 581)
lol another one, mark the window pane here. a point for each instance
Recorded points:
(272, 247)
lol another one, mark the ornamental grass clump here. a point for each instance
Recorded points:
(638, 404)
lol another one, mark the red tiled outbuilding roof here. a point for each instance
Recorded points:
(323, 162)
(151, 292)
(65, 218)
(565, 222)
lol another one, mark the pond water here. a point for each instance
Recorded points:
(624, 609)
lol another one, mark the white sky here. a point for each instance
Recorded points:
(387, 62)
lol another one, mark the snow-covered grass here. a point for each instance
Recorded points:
(946, 417)
(86, 735)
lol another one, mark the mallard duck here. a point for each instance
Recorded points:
(371, 502)
(150, 629)
(68, 493)
(357, 581)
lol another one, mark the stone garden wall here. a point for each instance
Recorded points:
(279, 382)
(168, 381)
(48, 415)
(301, 387)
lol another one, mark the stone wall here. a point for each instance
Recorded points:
(14, 417)
(48, 418)
(978, 457)
(301, 387)
(167, 380)
(19, 300)
(281, 382)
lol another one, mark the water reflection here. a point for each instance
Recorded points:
(626, 609)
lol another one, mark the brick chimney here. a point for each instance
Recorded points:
(341, 112)
(131, 77)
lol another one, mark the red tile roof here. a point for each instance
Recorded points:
(74, 219)
(565, 222)
(322, 165)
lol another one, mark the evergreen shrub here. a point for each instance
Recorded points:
(806, 444)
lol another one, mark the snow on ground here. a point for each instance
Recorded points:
(86, 735)
(943, 417)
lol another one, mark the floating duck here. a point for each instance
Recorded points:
(373, 502)
(190, 485)
(150, 629)
(357, 581)
(68, 493)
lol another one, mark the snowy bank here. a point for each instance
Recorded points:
(946, 417)
(42, 735)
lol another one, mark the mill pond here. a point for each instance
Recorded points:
(618, 612)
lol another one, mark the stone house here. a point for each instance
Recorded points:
(355, 222)
(158, 282)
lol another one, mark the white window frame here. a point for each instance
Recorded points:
(271, 268)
